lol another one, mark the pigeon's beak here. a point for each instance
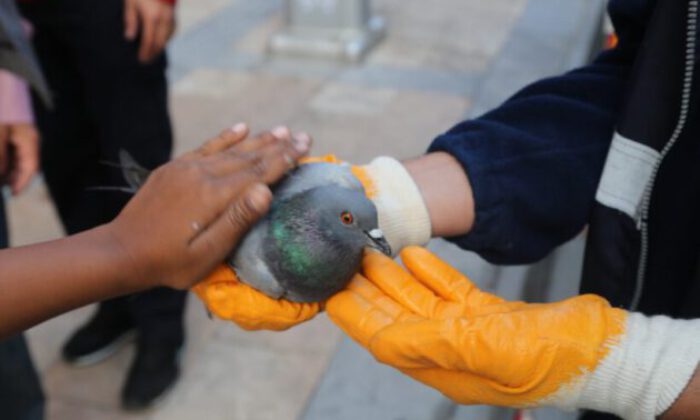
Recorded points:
(378, 241)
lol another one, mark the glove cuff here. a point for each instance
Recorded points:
(403, 215)
(644, 374)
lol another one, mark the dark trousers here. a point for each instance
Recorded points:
(21, 397)
(104, 101)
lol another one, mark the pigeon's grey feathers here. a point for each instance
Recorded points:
(311, 243)
(250, 264)
(134, 174)
(315, 175)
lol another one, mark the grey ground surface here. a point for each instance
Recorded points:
(441, 60)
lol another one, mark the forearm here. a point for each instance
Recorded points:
(44, 280)
(688, 404)
(184, 220)
(446, 192)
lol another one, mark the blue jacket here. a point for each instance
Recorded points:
(535, 162)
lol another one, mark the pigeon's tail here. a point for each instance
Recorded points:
(134, 174)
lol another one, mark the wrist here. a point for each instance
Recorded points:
(447, 193)
(403, 215)
(129, 273)
(646, 371)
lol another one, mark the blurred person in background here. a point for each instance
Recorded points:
(105, 66)
(21, 396)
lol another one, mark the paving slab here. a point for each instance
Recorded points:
(463, 40)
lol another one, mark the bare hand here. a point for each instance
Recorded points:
(192, 211)
(154, 19)
(19, 155)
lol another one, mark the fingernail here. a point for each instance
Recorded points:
(239, 128)
(258, 197)
(302, 142)
(281, 132)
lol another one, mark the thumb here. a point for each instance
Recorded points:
(444, 280)
(26, 161)
(131, 20)
(230, 227)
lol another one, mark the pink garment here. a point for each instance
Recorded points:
(15, 104)
(15, 101)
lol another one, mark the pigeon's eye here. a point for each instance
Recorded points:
(347, 218)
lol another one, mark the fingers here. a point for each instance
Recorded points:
(251, 309)
(131, 20)
(302, 142)
(26, 158)
(400, 285)
(371, 293)
(276, 160)
(238, 168)
(294, 146)
(156, 22)
(257, 142)
(226, 165)
(269, 163)
(271, 156)
(363, 310)
(357, 317)
(164, 29)
(229, 227)
(148, 34)
(225, 140)
(443, 279)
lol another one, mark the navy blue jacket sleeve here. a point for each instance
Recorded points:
(535, 161)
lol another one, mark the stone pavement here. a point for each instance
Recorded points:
(434, 65)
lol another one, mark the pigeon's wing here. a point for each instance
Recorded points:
(314, 175)
(134, 174)
(250, 265)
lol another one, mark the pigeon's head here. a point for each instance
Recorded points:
(347, 216)
(318, 237)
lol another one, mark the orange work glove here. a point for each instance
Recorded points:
(434, 325)
(227, 298)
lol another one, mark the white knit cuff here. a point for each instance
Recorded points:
(644, 374)
(403, 215)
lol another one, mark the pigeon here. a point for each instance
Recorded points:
(311, 242)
